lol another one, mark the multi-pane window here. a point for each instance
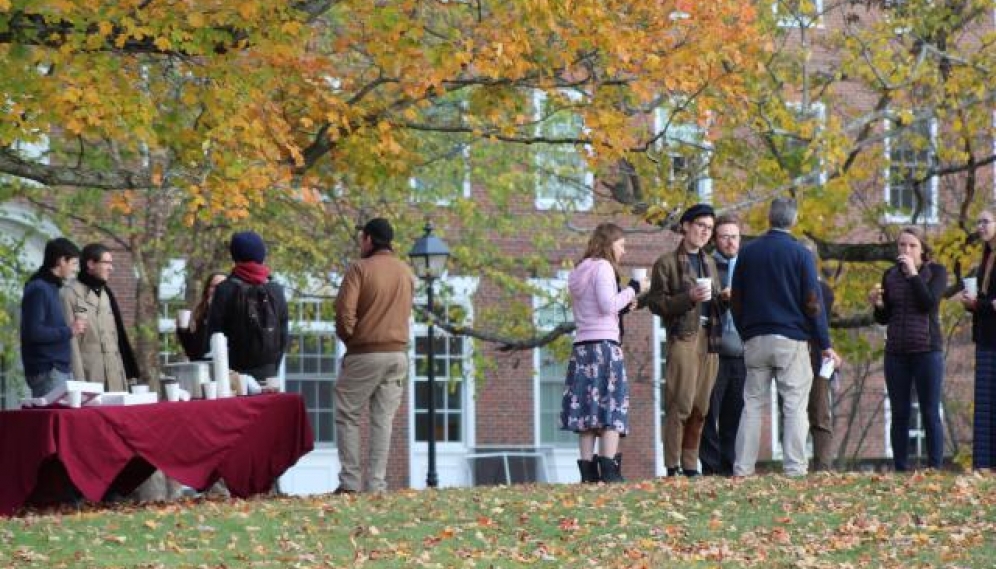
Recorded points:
(563, 180)
(687, 154)
(549, 311)
(798, 13)
(450, 375)
(910, 190)
(310, 363)
(444, 173)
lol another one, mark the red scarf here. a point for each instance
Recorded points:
(252, 272)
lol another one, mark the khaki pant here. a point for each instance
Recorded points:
(690, 375)
(787, 361)
(375, 381)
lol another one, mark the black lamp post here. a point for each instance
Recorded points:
(428, 257)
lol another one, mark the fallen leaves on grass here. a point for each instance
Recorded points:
(827, 520)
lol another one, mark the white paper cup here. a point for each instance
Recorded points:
(139, 388)
(75, 398)
(243, 385)
(210, 389)
(639, 273)
(183, 319)
(971, 286)
(275, 384)
(706, 282)
(172, 391)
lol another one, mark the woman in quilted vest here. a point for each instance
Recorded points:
(907, 302)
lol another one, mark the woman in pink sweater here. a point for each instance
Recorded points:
(596, 394)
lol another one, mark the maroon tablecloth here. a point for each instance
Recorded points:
(245, 441)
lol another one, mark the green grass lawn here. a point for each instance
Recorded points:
(825, 520)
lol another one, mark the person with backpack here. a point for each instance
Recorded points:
(250, 309)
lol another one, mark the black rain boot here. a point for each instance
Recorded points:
(589, 470)
(610, 467)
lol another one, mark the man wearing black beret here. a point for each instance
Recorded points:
(681, 293)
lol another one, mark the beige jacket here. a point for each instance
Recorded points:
(95, 353)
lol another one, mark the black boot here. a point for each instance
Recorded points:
(611, 469)
(589, 471)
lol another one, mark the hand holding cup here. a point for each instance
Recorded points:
(703, 289)
(640, 276)
(971, 285)
(78, 326)
(183, 319)
(875, 295)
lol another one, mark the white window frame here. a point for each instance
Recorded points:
(689, 134)
(659, 377)
(549, 288)
(930, 216)
(792, 21)
(543, 200)
(461, 290)
(323, 327)
(465, 186)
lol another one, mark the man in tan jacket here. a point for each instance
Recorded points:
(372, 317)
(101, 354)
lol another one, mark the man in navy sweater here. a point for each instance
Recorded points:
(777, 307)
(45, 334)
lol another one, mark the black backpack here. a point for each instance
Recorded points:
(254, 326)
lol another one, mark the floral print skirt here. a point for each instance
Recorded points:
(596, 393)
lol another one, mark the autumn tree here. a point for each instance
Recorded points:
(164, 128)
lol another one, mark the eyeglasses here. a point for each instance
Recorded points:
(702, 226)
(727, 237)
(984, 222)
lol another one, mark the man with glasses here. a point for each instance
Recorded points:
(719, 435)
(681, 293)
(785, 311)
(102, 353)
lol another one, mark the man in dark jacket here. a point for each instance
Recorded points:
(45, 334)
(681, 293)
(228, 311)
(784, 312)
(717, 449)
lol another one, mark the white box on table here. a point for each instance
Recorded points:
(60, 394)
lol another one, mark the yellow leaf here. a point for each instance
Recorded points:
(195, 19)
(247, 10)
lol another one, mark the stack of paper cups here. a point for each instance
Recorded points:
(219, 350)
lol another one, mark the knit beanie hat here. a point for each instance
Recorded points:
(247, 246)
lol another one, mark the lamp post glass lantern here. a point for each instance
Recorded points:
(428, 257)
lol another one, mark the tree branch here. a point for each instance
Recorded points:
(62, 175)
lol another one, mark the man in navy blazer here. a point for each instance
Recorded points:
(778, 309)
